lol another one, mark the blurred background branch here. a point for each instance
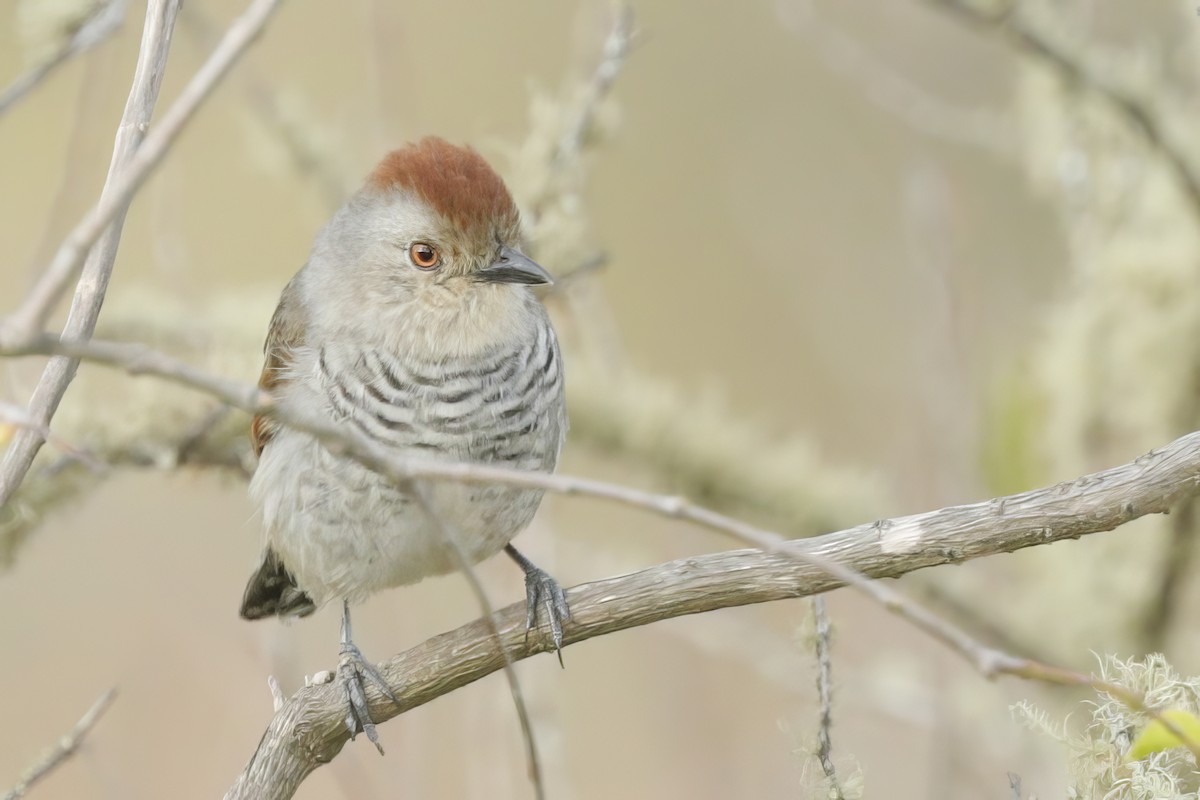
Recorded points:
(1034, 29)
(82, 28)
(66, 747)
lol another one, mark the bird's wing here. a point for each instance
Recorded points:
(285, 334)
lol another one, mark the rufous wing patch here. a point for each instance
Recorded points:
(284, 335)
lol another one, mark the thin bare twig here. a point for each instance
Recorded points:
(17, 417)
(533, 763)
(139, 359)
(976, 620)
(825, 697)
(102, 225)
(194, 437)
(64, 748)
(707, 454)
(567, 150)
(105, 234)
(103, 21)
(31, 315)
(617, 45)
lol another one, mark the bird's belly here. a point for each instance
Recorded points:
(344, 531)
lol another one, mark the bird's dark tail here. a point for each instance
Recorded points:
(272, 592)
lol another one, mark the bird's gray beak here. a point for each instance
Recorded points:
(514, 267)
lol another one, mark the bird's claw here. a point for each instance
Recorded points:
(352, 668)
(542, 593)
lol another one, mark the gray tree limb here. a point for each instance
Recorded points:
(308, 731)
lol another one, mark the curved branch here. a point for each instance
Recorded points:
(307, 731)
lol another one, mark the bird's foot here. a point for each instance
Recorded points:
(542, 593)
(352, 669)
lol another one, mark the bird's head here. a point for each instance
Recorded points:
(431, 239)
(454, 215)
(432, 221)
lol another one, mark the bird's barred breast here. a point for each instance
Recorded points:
(345, 531)
(500, 406)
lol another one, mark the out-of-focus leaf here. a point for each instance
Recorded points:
(1155, 737)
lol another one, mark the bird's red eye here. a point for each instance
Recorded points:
(424, 256)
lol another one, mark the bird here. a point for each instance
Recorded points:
(414, 323)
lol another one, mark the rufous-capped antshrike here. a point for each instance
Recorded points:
(413, 322)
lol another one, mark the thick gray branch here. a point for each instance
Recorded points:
(308, 731)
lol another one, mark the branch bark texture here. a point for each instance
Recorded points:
(308, 731)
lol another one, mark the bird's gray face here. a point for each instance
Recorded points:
(420, 251)
(449, 261)
(430, 241)
(425, 256)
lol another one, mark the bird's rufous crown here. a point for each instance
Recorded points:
(455, 181)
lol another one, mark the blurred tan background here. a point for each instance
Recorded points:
(795, 235)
